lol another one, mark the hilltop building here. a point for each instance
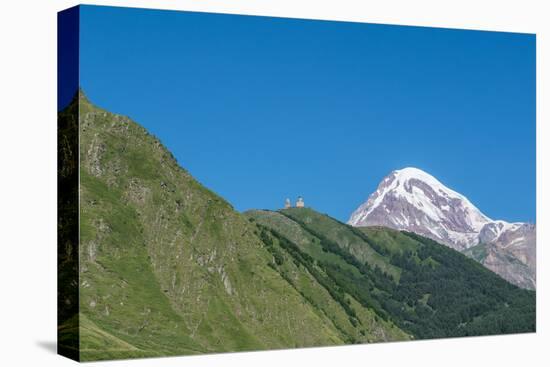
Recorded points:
(299, 203)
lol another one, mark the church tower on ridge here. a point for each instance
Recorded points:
(287, 203)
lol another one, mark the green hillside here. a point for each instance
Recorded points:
(425, 288)
(168, 267)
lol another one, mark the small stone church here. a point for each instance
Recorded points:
(299, 203)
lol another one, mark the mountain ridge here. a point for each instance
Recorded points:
(427, 289)
(411, 199)
(168, 267)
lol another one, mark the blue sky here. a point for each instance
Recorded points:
(259, 109)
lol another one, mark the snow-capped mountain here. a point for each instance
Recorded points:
(413, 200)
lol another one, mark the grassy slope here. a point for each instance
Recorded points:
(67, 232)
(168, 267)
(434, 292)
(362, 325)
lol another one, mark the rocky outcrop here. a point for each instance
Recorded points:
(510, 251)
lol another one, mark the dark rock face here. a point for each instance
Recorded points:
(412, 200)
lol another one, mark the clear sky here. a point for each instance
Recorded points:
(260, 109)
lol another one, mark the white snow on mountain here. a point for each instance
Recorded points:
(413, 200)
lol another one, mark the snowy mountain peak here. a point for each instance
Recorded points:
(408, 176)
(413, 200)
(416, 173)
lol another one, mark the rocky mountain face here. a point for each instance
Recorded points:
(411, 199)
(509, 249)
